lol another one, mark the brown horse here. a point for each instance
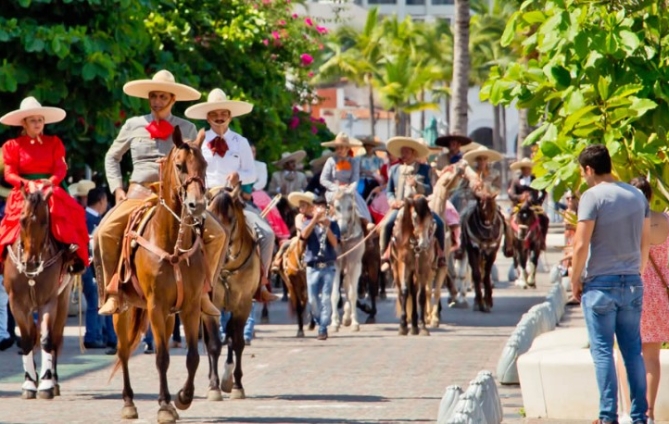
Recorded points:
(35, 280)
(482, 229)
(294, 276)
(238, 282)
(166, 283)
(413, 254)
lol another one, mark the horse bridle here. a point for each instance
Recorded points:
(181, 188)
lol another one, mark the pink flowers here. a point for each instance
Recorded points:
(294, 15)
(294, 122)
(308, 21)
(314, 130)
(265, 42)
(321, 30)
(275, 35)
(282, 23)
(310, 74)
(306, 59)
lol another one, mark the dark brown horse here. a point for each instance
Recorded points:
(482, 229)
(35, 280)
(372, 279)
(288, 214)
(294, 275)
(413, 254)
(233, 293)
(170, 273)
(527, 241)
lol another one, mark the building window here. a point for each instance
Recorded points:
(415, 2)
(438, 2)
(381, 1)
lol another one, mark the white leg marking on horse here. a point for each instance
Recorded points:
(47, 365)
(29, 366)
(531, 271)
(227, 371)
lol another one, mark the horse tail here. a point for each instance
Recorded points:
(136, 324)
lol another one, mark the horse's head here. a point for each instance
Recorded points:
(344, 204)
(525, 218)
(423, 222)
(185, 171)
(34, 222)
(486, 205)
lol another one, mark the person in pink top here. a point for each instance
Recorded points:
(655, 312)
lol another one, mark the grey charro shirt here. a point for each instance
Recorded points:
(618, 210)
(144, 150)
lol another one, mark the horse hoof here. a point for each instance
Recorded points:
(403, 331)
(414, 331)
(424, 332)
(129, 413)
(237, 394)
(264, 320)
(28, 394)
(226, 385)
(300, 334)
(312, 325)
(355, 327)
(435, 323)
(165, 417)
(46, 394)
(179, 403)
(383, 296)
(346, 322)
(214, 395)
(370, 320)
(56, 390)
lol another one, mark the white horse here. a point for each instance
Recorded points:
(351, 236)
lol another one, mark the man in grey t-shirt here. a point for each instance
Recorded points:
(614, 229)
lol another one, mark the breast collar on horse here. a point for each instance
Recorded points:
(22, 267)
(482, 235)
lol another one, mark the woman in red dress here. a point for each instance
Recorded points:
(38, 161)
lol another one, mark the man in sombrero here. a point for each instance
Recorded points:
(521, 189)
(288, 179)
(370, 166)
(453, 143)
(230, 162)
(148, 138)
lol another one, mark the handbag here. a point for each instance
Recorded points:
(657, 270)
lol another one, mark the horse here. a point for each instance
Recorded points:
(237, 283)
(483, 226)
(527, 235)
(413, 254)
(165, 283)
(36, 280)
(293, 273)
(350, 265)
(372, 279)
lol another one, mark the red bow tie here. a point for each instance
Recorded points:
(160, 130)
(218, 146)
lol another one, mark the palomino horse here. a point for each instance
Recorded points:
(413, 253)
(350, 265)
(294, 275)
(164, 283)
(34, 280)
(527, 234)
(238, 282)
(482, 229)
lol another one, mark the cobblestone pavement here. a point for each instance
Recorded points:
(374, 376)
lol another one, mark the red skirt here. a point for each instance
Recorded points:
(261, 200)
(68, 221)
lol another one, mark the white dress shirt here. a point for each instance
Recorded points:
(238, 158)
(261, 173)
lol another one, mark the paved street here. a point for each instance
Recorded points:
(374, 376)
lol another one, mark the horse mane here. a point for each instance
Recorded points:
(421, 206)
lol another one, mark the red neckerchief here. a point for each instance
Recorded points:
(219, 146)
(160, 129)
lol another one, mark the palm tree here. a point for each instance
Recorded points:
(460, 87)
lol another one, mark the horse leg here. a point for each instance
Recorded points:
(299, 310)
(373, 290)
(475, 265)
(127, 334)
(334, 326)
(212, 340)
(264, 314)
(413, 289)
(57, 333)
(226, 378)
(46, 387)
(382, 285)
(162, 327)
(487, 280)
(352, 283)
(238, 347)
(532, 268)
(425, 307)
(191, 323)
(24, 319)
(403, 294)
(434, 298)
(461, 282)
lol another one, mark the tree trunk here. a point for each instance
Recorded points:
(422, 113)
(372, 117)
(460, 86)
(496, 139)
(523, 132)
(503, 129)
(398, 122)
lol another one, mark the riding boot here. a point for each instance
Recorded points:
(385, 259)
(207, 307)
(367, 226)
(276, 263)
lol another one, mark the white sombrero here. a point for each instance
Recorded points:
(31, 107)
(492, 155)
(371, 141)
(296, 197)
(342, 139)
(288, 156)
(81, 188)
(523, 163)
(217, 100)
(469, 147)
(395, 145)
(161, 81)
(325, 155)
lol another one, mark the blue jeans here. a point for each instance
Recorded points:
(4, 307)
(248, 327)
(319, 282)
(108, 333)
(612, 306)
(93, 321)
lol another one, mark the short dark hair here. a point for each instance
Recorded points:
(96, 195)
(597, 157)
(643, 185)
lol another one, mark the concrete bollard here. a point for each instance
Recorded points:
(469, 406)
(519, 342)
(491, 404)
(448, 403)
(545, 317)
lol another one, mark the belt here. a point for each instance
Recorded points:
(320, 265)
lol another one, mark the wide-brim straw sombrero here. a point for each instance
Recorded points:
(31, 107)
(297, 156)
(371, 141)
(469, 147)
(342, 139)
(161, 81)
(523, 163)
(445, 139)
(492, 155)
(81, 188)
(325, 155)
(218, 100)
(395, 144)
(296, 197)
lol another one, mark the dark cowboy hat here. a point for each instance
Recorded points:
(445, 139)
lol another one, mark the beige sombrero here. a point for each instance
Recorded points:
(523, 163)
(81, 188)
(371, 141)
(492, 155)
(31, 107)
(161, 81)
(325, 155)
(469, 147)
(217, 100)
(297, 156)
(342, 139)
(296, 197)
(395, 144)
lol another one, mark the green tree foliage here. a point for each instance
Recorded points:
(596, 73)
